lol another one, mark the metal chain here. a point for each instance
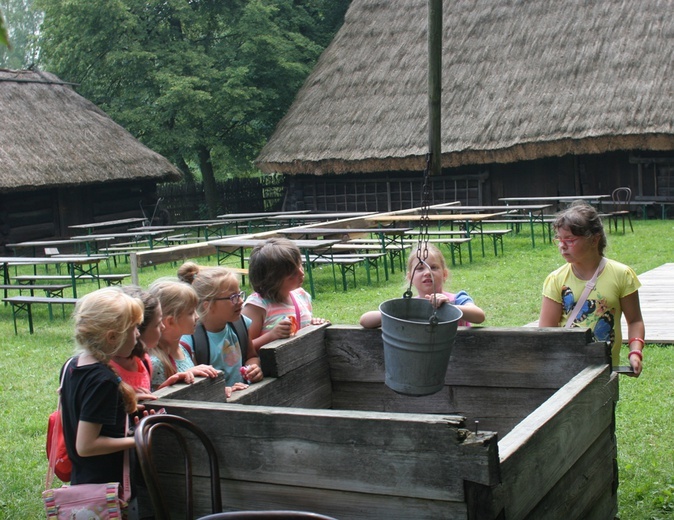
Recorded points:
(424, 221)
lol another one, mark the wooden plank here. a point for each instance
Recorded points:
(495, 408)
(240, 495)
(50, 300)
(360, 452)
(656, 297)
(203, 389)
(592, 480)
(282, 356)
(540, 450)
(308, 386)
(481, 356)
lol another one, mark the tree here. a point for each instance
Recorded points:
(21, 29)
(200, 81)
(4, 37)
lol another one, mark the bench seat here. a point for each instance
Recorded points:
(454, 245)
(109, 279)
(348, 262)
(51, 290)
(25, 303)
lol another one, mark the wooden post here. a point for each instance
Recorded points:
(133, 260)
(434, 84)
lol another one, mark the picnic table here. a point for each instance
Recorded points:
(90, 243)
(558, 201)
(291, 219)
(534, 213)
(470, 222)
(236, 246)
(218, 226)
(149, 236)
(655, 200)
(107, 223)
(387, 236)
(78, 267)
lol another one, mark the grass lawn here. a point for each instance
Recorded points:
(507, 287)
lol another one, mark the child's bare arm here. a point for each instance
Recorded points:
(472, 313)
(371, 320)
(90, 442)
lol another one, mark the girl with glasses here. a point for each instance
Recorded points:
(217, 339)
(279, 307)
(581, 241)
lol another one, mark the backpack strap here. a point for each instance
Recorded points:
(202, 347)
(241, 332)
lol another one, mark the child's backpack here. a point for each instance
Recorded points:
(202, 347)
(56, 444)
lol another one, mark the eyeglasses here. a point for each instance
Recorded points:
(567, 242)
(234, 298)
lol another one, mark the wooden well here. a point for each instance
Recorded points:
(523, 428)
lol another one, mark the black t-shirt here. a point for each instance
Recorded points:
(91, 393)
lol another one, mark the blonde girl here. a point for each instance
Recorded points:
(428, 279)
(171, 361)
(220, 301)
(95, 401)
(279, 306)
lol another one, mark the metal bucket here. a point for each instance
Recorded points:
(417, 346)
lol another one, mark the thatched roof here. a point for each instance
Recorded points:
(521, 80)
(51, 136)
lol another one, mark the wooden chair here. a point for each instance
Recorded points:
(145, 434)
(620, 208)
(271, 515)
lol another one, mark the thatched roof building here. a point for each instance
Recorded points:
(50, 136)
(63, 161)
(522, 80)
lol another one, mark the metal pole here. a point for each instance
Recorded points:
(434, 83)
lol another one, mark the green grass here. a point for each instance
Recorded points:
(507, 287)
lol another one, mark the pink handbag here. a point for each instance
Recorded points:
(100, 501)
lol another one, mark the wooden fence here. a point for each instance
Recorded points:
(386, 192)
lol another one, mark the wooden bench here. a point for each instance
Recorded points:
(374, 244)
(25, 303)
(51, 290)
(109, 279)
(453, 244)
(496, 236)
(347, 262)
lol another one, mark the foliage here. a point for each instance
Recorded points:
(201, 82)
(22, 28)
(508, 287)
(4, 38)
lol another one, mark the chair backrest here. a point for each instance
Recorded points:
(621, 198)
(145, 434)
(266, 515)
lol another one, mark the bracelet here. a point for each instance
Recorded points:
(640, 340)
(637, 352)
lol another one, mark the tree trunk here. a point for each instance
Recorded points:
(183, 167)
(210, 190)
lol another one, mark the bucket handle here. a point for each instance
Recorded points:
(433, 320)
